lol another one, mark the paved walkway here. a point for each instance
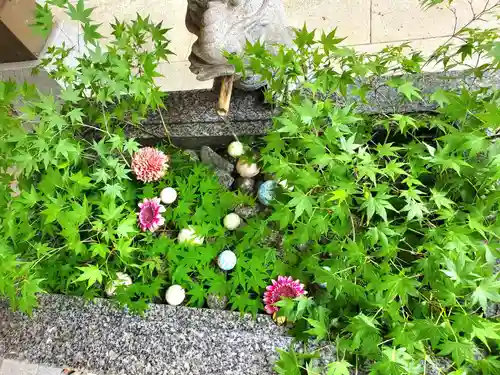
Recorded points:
(11, 367)
(369, 25)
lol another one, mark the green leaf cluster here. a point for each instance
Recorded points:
(395, 215)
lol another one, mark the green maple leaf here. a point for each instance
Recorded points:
(131, 146)
(101, 148)
(491, 116)
(409, 91)
(116, 142)
(29, 289)
(90, 34)
(81, 180)
(378, 204)
(441, 97)
(339, 195)
(289, 126)
(387, 149)
(303, 303)
(440, 199)
(121, 172)
(101, 175)
(43, 20)
(197, 293)
(393, 170)
(488, 330)
(70, 95)
(149, 65)
(181, 274)
(53, 210)
(113, 191)
(453, 270)
(29, 198)
(487, 290)
(65, 147)
(303, 37)
(124, 248)
(121, 67)
(426, 329)
(319, 329)
(302, 203)
(401, 286)
(79, 12)
(57, 120)
(348, 145)
(495, 51)
(288, 364)
(307, 111)
(91, 274)
(76, 115)
(395, 361)
(449, 161)
(311, 369)
(415, 209)
(282, 215)
(339, 368)
(405, 122)
(460, 350)
(158, 32)
(99, 249)
(329, 41)
(127, 226)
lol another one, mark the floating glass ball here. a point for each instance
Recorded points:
(266, 193)
(235, 149)
(216, 302)
(232, 221)
(226, 260)
(175, 295)
(168, 195)
(245, 185)
(247, 170)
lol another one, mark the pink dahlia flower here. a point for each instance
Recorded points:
(150, 211)
(284, 287)
(149, 164)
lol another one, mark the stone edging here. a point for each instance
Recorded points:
(68, 331)
(193, 122)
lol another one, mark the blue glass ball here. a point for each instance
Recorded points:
(266, 193)
(226, 260)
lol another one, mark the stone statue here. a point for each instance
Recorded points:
(226, 25)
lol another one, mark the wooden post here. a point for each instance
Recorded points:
(226, 90)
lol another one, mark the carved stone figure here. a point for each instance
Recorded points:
(226, 25)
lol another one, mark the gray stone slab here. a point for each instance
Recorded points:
(384, 99)
(14, 367)
(167, 340)
(192, 119)
(46, 370)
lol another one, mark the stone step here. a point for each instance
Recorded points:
(14, 367)
(68, 331)
(192, 120)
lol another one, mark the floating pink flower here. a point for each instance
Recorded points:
(284, 287)
(149, 164)
(150, 211)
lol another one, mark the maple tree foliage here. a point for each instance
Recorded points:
(390, 220)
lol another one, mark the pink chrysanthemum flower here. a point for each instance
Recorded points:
(284, 287)
(150, 211)
(149, 164)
